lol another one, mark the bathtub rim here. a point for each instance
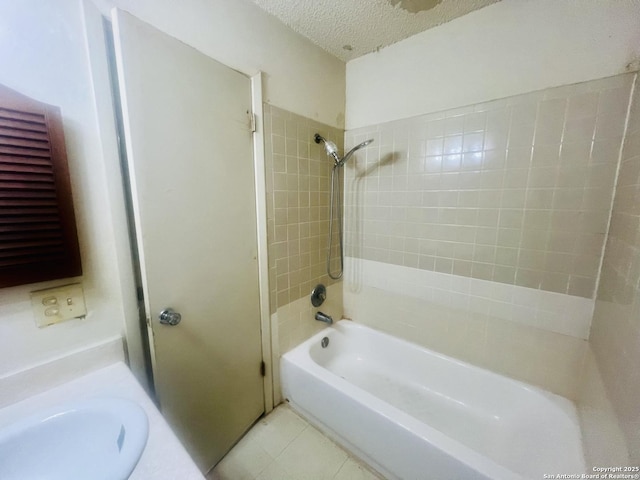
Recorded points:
(300, 357)
(563, 404)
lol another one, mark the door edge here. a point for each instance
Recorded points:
(261, 229)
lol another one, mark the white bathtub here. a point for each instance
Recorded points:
(414, 414)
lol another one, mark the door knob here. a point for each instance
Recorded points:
(169, 317)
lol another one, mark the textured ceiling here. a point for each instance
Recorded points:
(351, 28)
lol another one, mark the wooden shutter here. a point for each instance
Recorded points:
(38, 237)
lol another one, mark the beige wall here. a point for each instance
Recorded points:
(615, 335)
(498, 51)
(43, 55)
(298, 185)
(45, 52)
(298, 75)
(516, 191)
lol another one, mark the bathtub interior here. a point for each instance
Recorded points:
(520, 427)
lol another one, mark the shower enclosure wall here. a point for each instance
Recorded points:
(298, 183)
(484, 226)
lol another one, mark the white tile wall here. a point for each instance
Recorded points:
(615, 336)
(565, 314)
(602, 438)
(515, 191)
(550, 360)
(294, 322)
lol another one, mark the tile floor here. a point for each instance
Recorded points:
(283, 446)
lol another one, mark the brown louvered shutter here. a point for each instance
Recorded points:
(38, 237)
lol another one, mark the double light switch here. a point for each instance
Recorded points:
(58, 304)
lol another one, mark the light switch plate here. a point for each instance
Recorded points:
(55, 305)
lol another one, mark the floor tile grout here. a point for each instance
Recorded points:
(274, 427)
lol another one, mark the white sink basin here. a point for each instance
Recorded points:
(93, 439)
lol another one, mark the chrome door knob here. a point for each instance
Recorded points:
(169, 317)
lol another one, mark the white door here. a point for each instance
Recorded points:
(189, 152)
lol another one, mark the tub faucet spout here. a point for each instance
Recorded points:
(323, 317)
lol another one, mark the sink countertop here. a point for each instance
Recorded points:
(164, 457)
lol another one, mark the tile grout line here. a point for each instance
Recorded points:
(632, 94)
(341, 465)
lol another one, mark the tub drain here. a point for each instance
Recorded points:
(324, 342)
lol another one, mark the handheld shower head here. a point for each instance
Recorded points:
(332, 150)
(336, 185)
(354, 149)
(329, 147)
